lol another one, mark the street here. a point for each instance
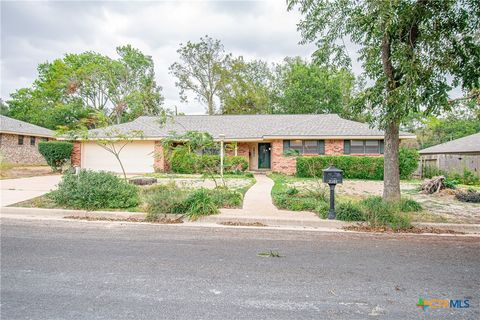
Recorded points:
(105, 270)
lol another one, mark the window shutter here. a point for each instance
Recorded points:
(286, 145)
(321, 146)
(381, 144)
(346, 146)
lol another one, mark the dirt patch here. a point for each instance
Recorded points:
(14, 172)
(162, 220)
(365, 228)
(242, 224)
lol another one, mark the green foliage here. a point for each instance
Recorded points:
(379, 213)
(436, 130)
(468, 196)
(349, 211)
(200, 203)
(408, 161)
(450, 183)
(56, 153)
(322, 209)
(164, 199)
(353, 167)
(183, 161)
(410, 205)
(452, 179)
(303, 87)
(288, 198)
(95, 190)
(200, 70)
(68, 92)
(236, 164)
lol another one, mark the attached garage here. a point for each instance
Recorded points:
(137, 157)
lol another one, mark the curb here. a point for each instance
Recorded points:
(327, 225)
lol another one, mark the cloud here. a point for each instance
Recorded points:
(35, 32)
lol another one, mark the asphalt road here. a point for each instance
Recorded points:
(98, 270)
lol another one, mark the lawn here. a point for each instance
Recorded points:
(14, 171)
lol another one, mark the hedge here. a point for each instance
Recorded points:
(183, 161)
(354, 167)
(56, 153)
(357, 167)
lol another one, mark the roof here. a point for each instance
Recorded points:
(244, 127)
(463, 145)
(14, 126)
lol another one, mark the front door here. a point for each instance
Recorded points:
(264, 155)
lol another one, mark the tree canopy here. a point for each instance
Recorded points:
(81, 88)
(414, 53)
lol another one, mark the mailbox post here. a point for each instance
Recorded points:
(332, 176)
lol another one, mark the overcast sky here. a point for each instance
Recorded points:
(35, 32)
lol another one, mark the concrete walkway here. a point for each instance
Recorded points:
(17, 190)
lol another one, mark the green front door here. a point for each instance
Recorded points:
(264, 156)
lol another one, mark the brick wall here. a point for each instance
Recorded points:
(12, 152)
(333, 147)
(76, 157)
(160, 164)
(281, 163)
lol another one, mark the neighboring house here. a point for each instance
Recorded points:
(261, 139)
(19, 141)
(454, 156)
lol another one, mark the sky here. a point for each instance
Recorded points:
(38, 31)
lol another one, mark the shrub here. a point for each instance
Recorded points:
(322, 209)
(408, 161)
(95, 190)
(468, 196)
(354, 167)
(410, 205)
(235, 164)
(56, 153)
(200, 203)
(183, 161)
(380, 213)
(469, 178)
(162, 199)
(349, 211)
(450, 183)
(226, 198)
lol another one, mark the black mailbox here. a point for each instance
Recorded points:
(332, 176)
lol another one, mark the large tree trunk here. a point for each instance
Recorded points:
(210, 107)
(391, 173)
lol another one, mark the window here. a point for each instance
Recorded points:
(20, 140)
(363, 146)
(304, 146)
(32, 141)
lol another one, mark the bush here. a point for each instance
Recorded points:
(468, 196)
(56, 153)
(354, 167)
(410, 205)
(380, 213)
(95, 190)
(450, 183)
(183, 161)
(200, 203)
(226, 198)
(162, 199)
(235, 164)
(408, 161)
(349, 211)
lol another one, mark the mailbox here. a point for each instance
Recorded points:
(332, 176)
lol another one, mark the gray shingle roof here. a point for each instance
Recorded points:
(15, 126)
(466, 144)
(252, 126)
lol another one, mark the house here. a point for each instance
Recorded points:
(454, 156)
(261, 139)
(19, 141)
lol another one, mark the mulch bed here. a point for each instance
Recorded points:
(364, 228)
(162, 220)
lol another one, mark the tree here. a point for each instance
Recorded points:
(246, 87)
(409, 49)
(200, 70)
(303, 87)
(77, 87)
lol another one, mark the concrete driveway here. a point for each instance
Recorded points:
(16, 190)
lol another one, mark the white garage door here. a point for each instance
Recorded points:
(137, 157)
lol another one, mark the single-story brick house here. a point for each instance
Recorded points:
(261, 139)
(19, 141)
(453, 156)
